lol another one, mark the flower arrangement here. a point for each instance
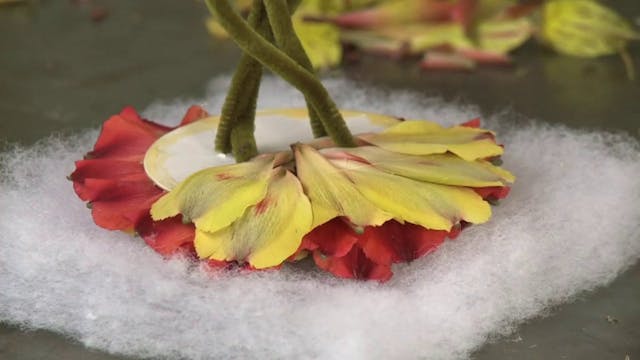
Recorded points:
(455, 34)
(356, 204)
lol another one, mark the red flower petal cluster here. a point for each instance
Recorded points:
(369, 254)
(112, 179)
(341, 250)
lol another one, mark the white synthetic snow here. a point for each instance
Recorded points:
(570, 224)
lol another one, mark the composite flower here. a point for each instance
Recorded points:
(357, 211)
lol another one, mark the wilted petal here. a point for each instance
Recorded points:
(215, 197)
(332, 194)
(166, 236)
(111, 177)
(105, 169)
(194, 113)
(126, 136)
(333, 238)
(425, 138)
(119, 205)
(268, 232)
(446, 169)
(493, 192)
(354, 265)
(395, 242)
(432, 206)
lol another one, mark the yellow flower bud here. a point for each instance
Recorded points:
(584, 28)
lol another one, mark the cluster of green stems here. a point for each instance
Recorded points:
(268, 40)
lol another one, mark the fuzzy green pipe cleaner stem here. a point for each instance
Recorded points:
(284, 66)
(287, 41)
(236, 127)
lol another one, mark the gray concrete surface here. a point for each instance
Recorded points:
(61, 71)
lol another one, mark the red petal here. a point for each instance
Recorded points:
(126, 137)
(354, 265)
(194, 113)
(130, 114)
(419, 241)
(113, 179)
(493, 192)
(473, 123)
(119, 205)
(486, 57)
(166, 236)
(520, 10)
(116, 170)
(217, 264)
(333, 238)
(422, 10)
(463, 12)
(379, 243)
(455, 231)
(395, 242)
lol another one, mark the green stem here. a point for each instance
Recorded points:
(237, 125)
(238, 110)
(287, 41)
(281, 64)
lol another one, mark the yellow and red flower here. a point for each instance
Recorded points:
(394, 198)
(455, 34)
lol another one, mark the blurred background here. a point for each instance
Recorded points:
(66, 65)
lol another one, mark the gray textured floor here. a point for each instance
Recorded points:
(60, 71)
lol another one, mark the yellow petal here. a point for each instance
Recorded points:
(414, 38)
(213, 198)
(424, 138)
(332, 194)
(502, 36)
(268, 232)
(446, 169)
(413, 127)
(487, 9)
(327, 7)
(432, 206)
(584, 28)
(434, 35)
(321, 42)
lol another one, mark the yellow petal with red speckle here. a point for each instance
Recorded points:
(432, 206)
(424, 138)
(267, 233)
(446, 169)
(215, 197)
(332, 194)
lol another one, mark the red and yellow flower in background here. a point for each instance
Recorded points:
(357, 211)
(455, 34)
